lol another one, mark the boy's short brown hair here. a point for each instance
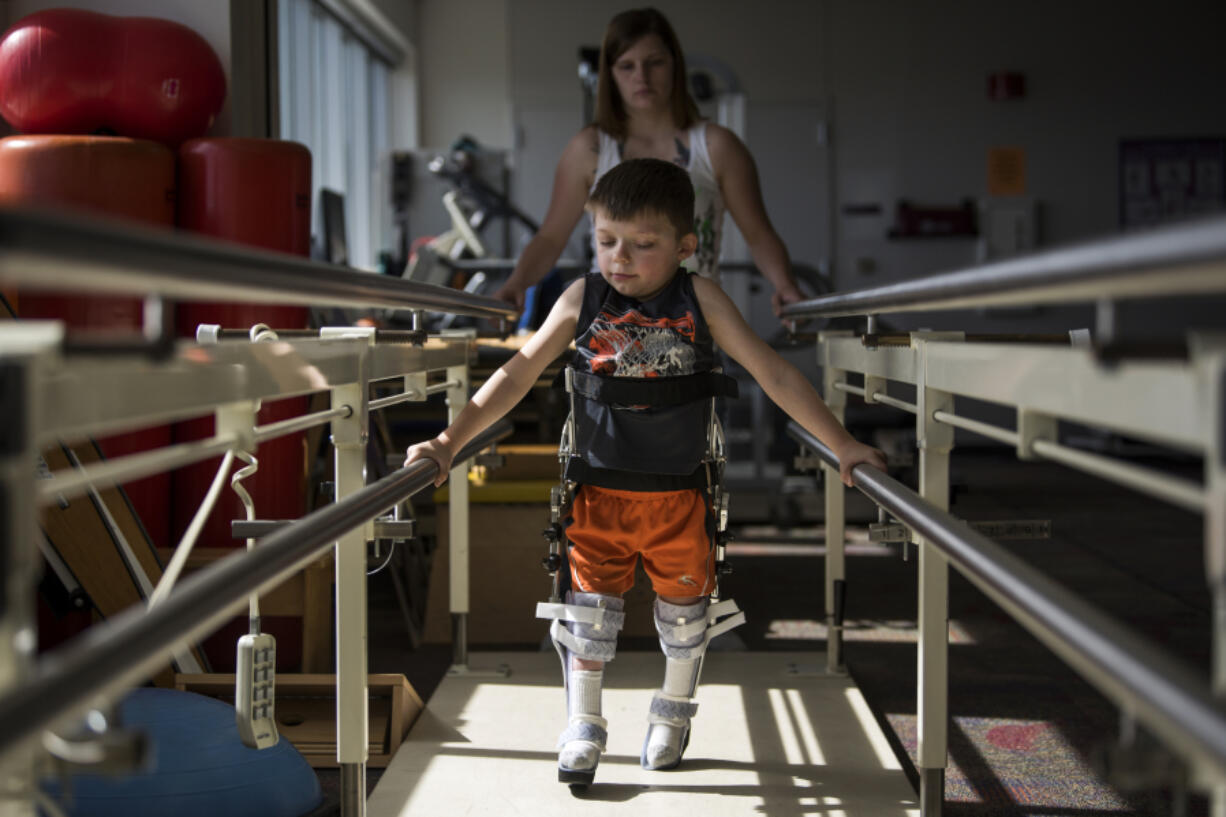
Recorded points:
(638, 186)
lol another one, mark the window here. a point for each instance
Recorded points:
(334, 98)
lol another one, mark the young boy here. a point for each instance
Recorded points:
(645, 332)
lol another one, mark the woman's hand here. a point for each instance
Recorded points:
(786, 294)
(432, 450)
(854, 453)
(512, 292)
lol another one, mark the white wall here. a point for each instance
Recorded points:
(462, 53)
(901, 85)
(208, 18)
(913, 119)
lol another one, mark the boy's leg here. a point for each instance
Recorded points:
(585, 646)
(680, 563)
(584, 630)
(682, 625)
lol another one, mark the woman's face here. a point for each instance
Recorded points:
(644, 74)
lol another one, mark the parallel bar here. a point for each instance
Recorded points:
(394, 399)
(128, 393)
(117, 653)
(1160, 691)
(885, 399)
(1171, 260)
(134, 466)
(1176, 490)
(412, 394)
(1184, 493)
(877, 396)
(54, 251)
(283, 427)
(1004, 435)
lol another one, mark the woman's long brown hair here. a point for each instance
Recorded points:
(623, 31)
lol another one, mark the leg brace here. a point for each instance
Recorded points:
(585, 628)
(685, 631)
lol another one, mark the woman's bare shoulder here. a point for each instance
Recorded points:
(722, 142)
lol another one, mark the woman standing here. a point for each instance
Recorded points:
(644, 110)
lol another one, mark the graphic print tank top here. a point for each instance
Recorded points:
(664, 337)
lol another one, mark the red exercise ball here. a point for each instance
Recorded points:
(104, 176)
(253, 191)
(75, 71)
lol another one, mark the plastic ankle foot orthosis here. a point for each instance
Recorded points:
(685, 631)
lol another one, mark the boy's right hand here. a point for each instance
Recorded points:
(854, 453)
(432, 450)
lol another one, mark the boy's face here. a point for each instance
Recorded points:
(638, 257)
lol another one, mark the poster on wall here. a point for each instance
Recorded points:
(1164, 180)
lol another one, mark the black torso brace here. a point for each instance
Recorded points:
(642, 382)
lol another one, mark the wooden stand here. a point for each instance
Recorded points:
(307, 593)
(306, 712)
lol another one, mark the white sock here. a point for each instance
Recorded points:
(664, 739)
(583, 701)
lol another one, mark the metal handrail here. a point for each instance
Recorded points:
(1176, 259)
(126, 649)
(51, 250)
(1155, 687)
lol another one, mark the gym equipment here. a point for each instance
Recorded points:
(118, 178)
(255, 192)
(74, 71)
(458, 257)
(471, 205)
(198, 767)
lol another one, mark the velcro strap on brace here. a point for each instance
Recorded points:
(652, 391)
(597, 617)
(671, 709)
(688, 639)
(594, 622)
(587, 648)
(587, 728)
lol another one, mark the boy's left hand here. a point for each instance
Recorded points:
(855, 453)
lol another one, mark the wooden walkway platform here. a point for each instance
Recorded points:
(768, 740)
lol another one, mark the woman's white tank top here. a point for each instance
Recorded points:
(708, 203)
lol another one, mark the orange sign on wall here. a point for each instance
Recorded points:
(1006, 171)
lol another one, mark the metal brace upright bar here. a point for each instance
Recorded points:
(836, 507)
(349, 438)
(20, 561)
(935, 441)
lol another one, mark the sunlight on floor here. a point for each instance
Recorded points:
(900, 631)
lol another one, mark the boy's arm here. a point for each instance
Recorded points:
(507, 386)
(782, 382)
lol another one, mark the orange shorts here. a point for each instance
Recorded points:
(611, 529)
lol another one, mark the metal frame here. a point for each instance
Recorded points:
(1177, 403)
(49, 393)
